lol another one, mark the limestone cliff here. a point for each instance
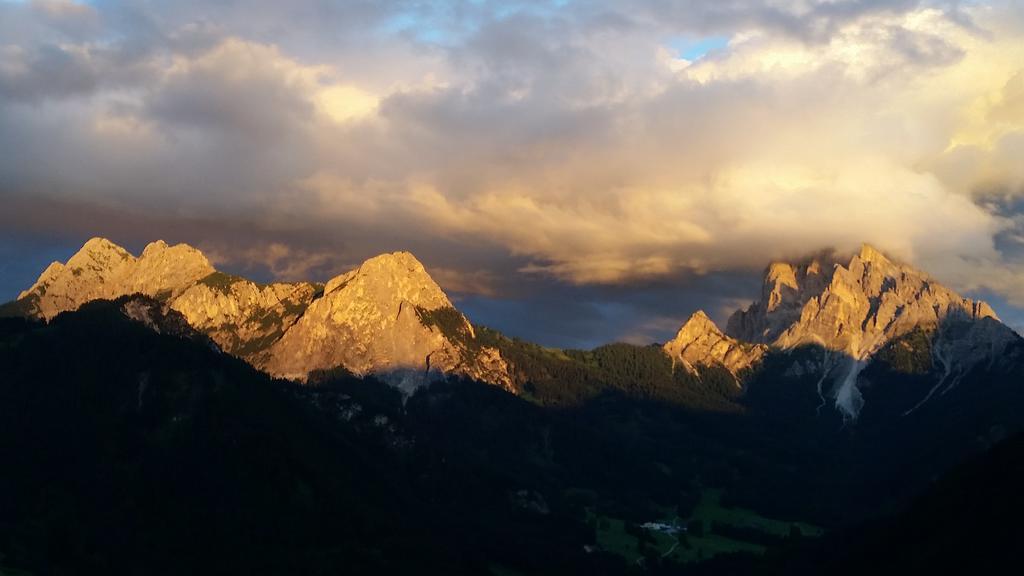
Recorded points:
(854, 308)
(387, 317)
(102, 269)
(244, 318)
(786, 288)
(851, 310)
(699, 342)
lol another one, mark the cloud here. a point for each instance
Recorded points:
(773, 147)
(463, 282)
(284, 263)
(532, 142)
(237, 86)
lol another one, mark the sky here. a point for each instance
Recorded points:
(572, 172)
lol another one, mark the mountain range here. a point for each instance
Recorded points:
(386, 317)
(851, 310)
(389, 318)
(364, 425)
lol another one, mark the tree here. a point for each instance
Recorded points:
(696, 528)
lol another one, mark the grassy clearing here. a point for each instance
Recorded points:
(704, 547)
(710, 510)
(613, 536)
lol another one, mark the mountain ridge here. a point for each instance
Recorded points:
(885, 298)
(102, 269)
(366, 321)
(387, 317)
(851, 311)
(369, 320)
(699, 342)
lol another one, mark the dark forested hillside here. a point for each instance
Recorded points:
(553, 377)
(967, 522)
(140, 452)
(139, 448)
(130, 452)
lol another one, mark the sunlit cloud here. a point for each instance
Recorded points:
(595, 144)
(344, 103)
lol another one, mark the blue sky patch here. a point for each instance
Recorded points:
(693, 49)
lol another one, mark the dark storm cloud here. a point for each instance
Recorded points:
(35, 72)
(248, 243)
(555, 314)
(232, 90)
(47, 71)
(528, 306)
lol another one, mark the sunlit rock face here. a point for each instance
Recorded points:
(699, 342)
(784, 292)
(102, 269)
(854, 308)
(388, 318)
(242, 317)
(851, 310)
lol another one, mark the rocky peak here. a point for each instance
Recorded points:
(163, 269)
(699, 342)
(386, 317)
(244, 318)
(99, 260)
(389, 318)
(391, 279)
(853, 309)
(785, 289)
(102, 269)
(780, 285)
(99, 250)
(868, 253)
(873, 300)
(45, 279)
(154, 247)
(698, 324)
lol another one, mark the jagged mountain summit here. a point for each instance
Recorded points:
(854, 308)
(699, 342)
(386, 318)
(850, 311)
(104, 270)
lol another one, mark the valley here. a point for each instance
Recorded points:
(527, 288)
(723, 449)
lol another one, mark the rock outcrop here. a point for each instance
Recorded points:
(386, 318)
(852, 310)
(104, 270)
(699, 342)
(785, 290)
(389, 318)
(244, 318)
